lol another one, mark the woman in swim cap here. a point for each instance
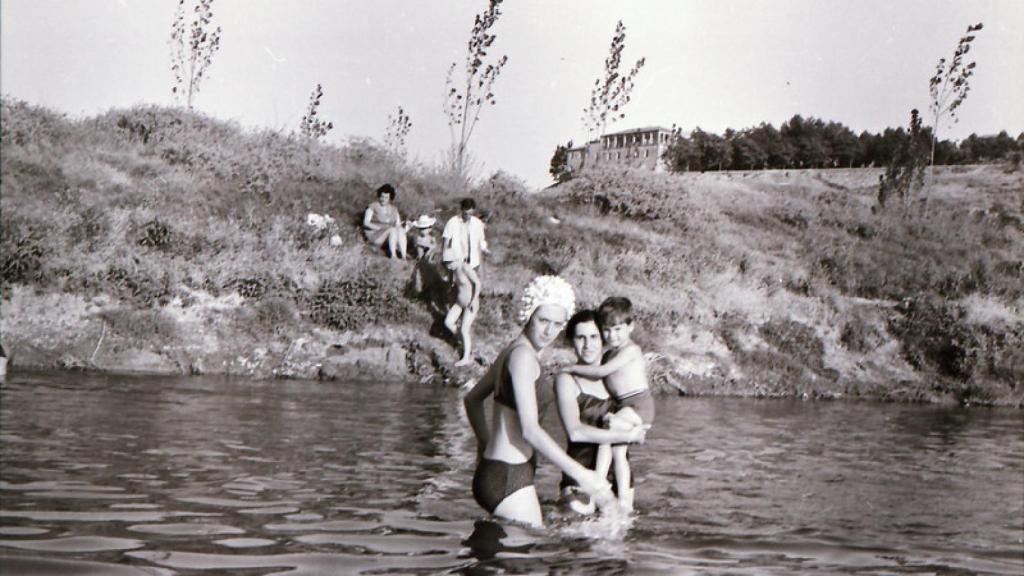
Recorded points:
(503, 481)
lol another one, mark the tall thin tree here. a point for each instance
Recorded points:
(466, 97)
(613, 91)
(310, 126)
(193, 45)
(950, 84)
(905, 171)
(398, 129)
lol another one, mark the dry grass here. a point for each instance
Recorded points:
(763, 283)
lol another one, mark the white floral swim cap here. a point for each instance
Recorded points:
(546, 290)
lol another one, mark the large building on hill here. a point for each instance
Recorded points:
(638, 148)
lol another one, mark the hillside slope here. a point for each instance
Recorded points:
(156, 239)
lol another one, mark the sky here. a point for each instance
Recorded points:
(712, 64)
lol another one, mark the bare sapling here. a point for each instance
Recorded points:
(397, 131)
(311, 126)
(950, 84)
(466, 97)
(193, 44)
(614, 90)
(905, 171)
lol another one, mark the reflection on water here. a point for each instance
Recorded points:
(144, 475)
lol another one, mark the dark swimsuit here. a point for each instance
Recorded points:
(495, 480)
(592, 411)
(642, 402)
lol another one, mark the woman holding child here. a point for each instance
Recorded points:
(583, 404)
(503, 481)
(622, 369)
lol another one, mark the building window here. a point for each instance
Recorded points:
(647, 153)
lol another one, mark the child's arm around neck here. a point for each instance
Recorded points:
(619, 360)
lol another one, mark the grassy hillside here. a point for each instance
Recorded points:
(155, 238)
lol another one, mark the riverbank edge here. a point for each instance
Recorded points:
(69, 332)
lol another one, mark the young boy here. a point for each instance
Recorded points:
(625, 374)
(423, 240)
(462, 250)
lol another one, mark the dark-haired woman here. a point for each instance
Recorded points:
(503, 483)
(582, 406)
(382, 223)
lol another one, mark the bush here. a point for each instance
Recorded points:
(502, 188)
(276, 314)
(634, 194)
(92, 227)
(262, 285)
(21, 252)
(356, 303)
(796, 340)
(155, 234)
(860, 336)
(933, 336)
(144, 288)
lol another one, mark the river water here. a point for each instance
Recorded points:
(109, 475)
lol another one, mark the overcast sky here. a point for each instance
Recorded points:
(715, 64)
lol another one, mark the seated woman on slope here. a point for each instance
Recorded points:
(503, 481)
(382, 223)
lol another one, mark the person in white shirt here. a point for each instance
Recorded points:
(464, 243)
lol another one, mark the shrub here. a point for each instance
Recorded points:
(22, 123)
(502, 188)
(262, 285)
(155, 234)
(355, 303)
(634, 194)
(796, 340)
(144, 288)
(93, 226)
(21, 252)
(929, 330)
(859, 335)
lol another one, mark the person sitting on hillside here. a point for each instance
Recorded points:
(383, 224)
(423, 240)
(426, 282)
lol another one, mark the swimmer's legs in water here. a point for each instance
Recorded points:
(486, 541)
(523, 505)
(624, 419)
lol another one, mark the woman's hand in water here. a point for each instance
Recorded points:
(637, 434)
(599, 489)
(605, 499)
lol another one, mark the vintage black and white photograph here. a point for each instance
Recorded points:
(484, 287)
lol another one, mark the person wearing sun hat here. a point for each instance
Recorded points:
(507, 451)
(423, 240)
